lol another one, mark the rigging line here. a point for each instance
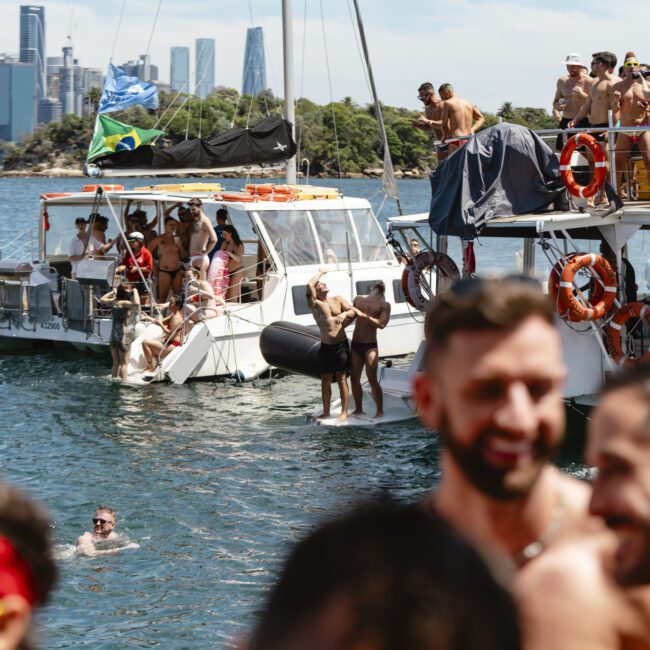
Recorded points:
(200, 117)
(187, 97)
(357, 41)
(153, 29)
(302, 85)
(117, 31)
(187, 124)
(169, 106)
(329, 79)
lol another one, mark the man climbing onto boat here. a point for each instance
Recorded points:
(459, 118)
(571, 92)
(631, 97)
(202, 238)
(364, 351)
(332, 315)
(491, 386)
(430, 121)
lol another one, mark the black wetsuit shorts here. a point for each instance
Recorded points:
(564, 123)
(334, 358)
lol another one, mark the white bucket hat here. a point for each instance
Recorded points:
(574, 59)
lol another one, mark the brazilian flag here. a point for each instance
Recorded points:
(111, 136)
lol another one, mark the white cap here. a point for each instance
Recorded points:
(574, 59)
(135, 235)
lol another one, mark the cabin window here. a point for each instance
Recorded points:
(398, 293)
(371, 237)
(291, 235)
(300, 304)
(364, 287)
(336, 236)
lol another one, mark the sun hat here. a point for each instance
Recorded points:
(574, 59)
(135, 235)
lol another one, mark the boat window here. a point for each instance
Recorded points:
(371, 237)
(398, 292)
(364, 287)
(291, 235)
(60, 229)
(300, 304)
(336, 236)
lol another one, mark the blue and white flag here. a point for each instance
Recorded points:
(122, 91)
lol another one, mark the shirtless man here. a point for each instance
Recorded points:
(430, 121)
(631, 97)
(571, 92)
(375, 315)
(170, 251)
(184, 222)
(332, 315)
(459, 118)
(598, 103)
(200, 303)
(619, 449)
(156, 350)
(97, 243)
(491, 386)
(202, 237)
(103, 531)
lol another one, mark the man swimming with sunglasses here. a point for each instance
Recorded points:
(103, 534)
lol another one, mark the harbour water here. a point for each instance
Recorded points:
(214, 481)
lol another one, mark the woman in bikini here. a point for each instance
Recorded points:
(234, 248)
(155, 350)
(170, 251)
(200, 301)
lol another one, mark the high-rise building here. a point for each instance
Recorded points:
(66, 82)
(17, 99)
(254, 76)
(49, 110)
(204, 67)
(32, 44)
(179, 72)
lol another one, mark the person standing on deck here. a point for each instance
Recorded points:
(364, 350)
(459, 118)
(78, 245)
(430, 121)
(332, 315)
(571, 92)
(202, 238)
(491, 385)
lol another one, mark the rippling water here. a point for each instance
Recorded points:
(213, 481)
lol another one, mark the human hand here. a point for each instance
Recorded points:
(616, 98)
(571, 124)
(322, 271)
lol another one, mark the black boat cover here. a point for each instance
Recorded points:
(505, 170)
(269, 141)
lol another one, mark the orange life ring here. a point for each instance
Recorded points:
(554, 286)
(283, 198)
(414, 270)
(106, 188)
(573, 307)
(269, 188)
(241, 197)
(54, 195)
(600, 165)
(613, 334)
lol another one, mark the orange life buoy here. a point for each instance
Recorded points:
(241, 197)
(554, 285)
(106, 188)
(613, 335)
(566, 297)
(412, 274)
(54, 195)
(283, 198)
(600, 165)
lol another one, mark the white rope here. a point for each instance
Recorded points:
(153, 29)
(117, 31)
(329, 79)
(302, 85)
(357, 41)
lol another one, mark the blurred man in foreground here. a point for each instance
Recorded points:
(492, 388)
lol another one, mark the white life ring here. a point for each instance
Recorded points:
(412, 275)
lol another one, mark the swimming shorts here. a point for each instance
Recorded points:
(361, 348)
(600, 136)
(636, 135)
(564, 123)
(204, 259)
(171, 274)
(334, 357)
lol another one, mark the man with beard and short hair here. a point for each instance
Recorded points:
(492, 386)
(430, 121)
(571, 92)
(619, 449)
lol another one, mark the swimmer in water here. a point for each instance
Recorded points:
(103, 531)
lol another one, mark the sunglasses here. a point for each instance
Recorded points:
(631, 64)
(101, 522)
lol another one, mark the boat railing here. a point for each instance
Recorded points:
(26, 243)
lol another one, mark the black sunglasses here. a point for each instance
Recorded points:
(101, 521)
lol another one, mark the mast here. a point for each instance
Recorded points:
(287, 39)
(388, 182)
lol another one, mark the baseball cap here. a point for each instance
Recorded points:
(79, 220)
(135, 236)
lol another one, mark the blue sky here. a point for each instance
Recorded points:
(491, 50)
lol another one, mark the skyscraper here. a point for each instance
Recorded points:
(254, 77)
(66, 87)
(32, 44)
(204, 67)
(17, 99)
(179, 73)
